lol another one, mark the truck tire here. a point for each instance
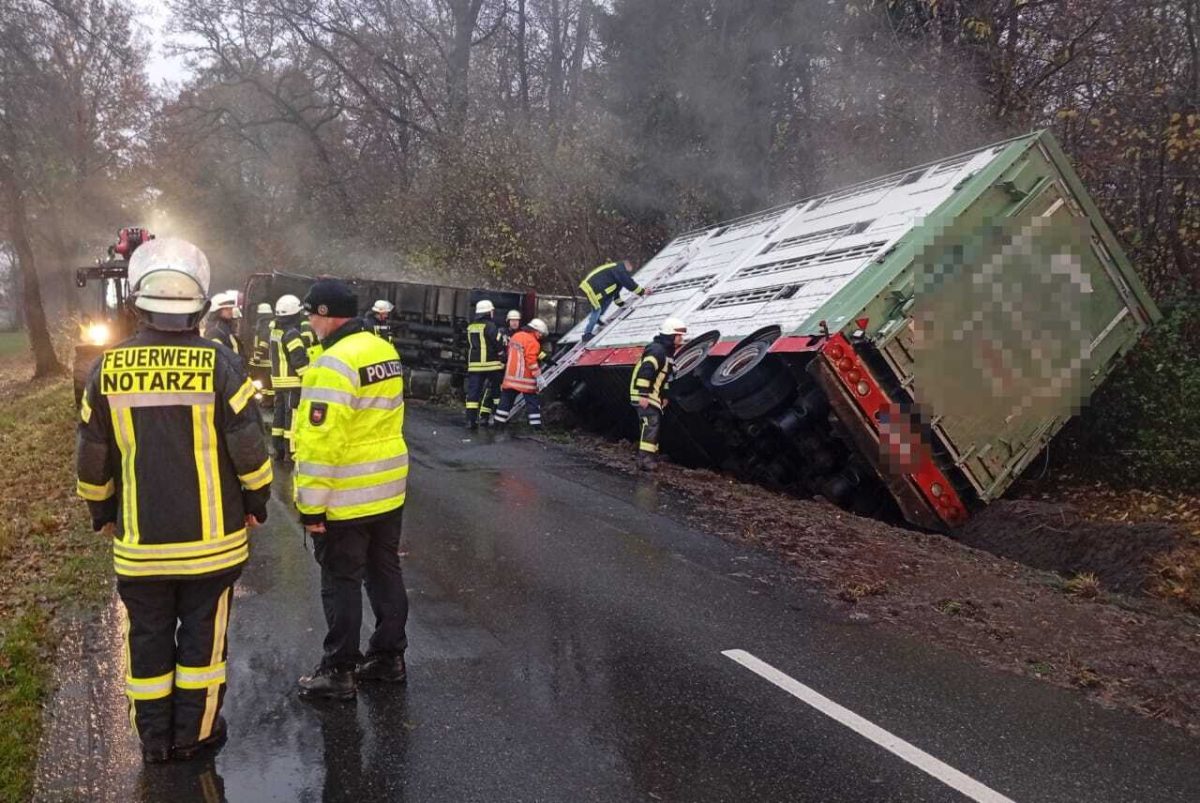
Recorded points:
(751, 381)
(689, 387)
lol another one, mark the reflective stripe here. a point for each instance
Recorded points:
(199, 677)
(95, 493)
(213, 698)
(212, 522)
(159, 568)
(334, 364)
(180, 550)
(294, 343)
(242, 397)
(286, 382)
(353, 470)
(123, 429)
(328, 497)
(85, 409)
(258, 478)
(643, 383)
(126, 400)
(352, 401)
(149, 688)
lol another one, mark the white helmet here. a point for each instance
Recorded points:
(263, 309)
(287, 305)
(383, 305)
(169, 276)
(513, 315)
(227, 300)
(539, 326)
(673, 326)
(484, 307)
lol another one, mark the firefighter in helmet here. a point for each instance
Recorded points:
(521, 373)
(648, 387)
(169, 415)
(376, 319)
(602, 287)
(289, 361)
(485, 366)
(222, 321)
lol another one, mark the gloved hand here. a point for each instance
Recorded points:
(255, 503)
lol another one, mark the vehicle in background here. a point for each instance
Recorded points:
(908, 344)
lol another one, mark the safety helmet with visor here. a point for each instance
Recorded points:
(513, 315)
(673, 326)
(539, 326)
(287, 305)
(484, 307)
(168, 281)
(263, 309)
(383, 307)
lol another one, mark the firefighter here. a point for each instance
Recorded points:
(648, 387)
(602, 287)
(521, 373)
(513, 319)
(221, 323)
(289, 361)
(171, 461)
(376, 319)
(351, 470)
(485, 369)
(260, 355)
(312, 344)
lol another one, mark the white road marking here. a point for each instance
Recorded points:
(894, 744)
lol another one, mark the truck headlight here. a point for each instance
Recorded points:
(98, 333)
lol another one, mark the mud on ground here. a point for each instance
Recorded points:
(1090, 628)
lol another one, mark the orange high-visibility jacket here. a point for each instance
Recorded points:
(522, 370)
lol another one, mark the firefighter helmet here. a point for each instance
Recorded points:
(168, 281)
(673, 326)
(263, 309)
(513, 315)
(287, 305)
(539, 326)
(383, 306)
(484, 307)
(227, 300)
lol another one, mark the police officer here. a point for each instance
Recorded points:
(351, 470)
(171, 461)
(485, 369)
(221, 323)
(602, 286)
(648, 387)
(289, 361)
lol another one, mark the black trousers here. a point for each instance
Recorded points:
(650, 421)
(286, 402)
(483, 393)
(533, 407)
(351, 555)
(175, 651)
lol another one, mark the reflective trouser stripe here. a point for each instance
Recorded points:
(213, 698)
(149, 688)
(199, 677)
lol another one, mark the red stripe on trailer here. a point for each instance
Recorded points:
(795, 343)
(722, 348)
(854, 374)
(627, 355)
(593, 357)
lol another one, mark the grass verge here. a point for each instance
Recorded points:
(52, 565)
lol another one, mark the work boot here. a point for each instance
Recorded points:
(155, 755)
(471, 425)
(383, 668)
(204, 747)
(329, 684)
(587, 337)
(646, 462)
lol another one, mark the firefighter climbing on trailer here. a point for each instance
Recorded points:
(485, 369)
(222, 326)
(289, 361)
(521, 373)
(648, 388)
(170, 459)
(602, 287)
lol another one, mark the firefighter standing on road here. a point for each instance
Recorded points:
(521, 373)
(260, 356)
(602, 287)
(221, 323)
(376, 319)
(485, 369)
(513, 320)
(170, 459)
(289, 361)
(351, 470)
(648, 387)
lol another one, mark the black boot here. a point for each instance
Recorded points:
(646, 462)
(204, 747)
(328, 684)
(155, 755)
(383, 668)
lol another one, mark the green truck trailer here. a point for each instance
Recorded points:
(905, 344)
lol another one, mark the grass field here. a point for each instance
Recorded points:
(12, 343)
(51, 564)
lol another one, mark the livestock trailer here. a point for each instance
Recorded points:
(909, 342)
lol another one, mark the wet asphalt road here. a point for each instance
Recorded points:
(565, 636)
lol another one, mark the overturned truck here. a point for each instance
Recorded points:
(905, 345)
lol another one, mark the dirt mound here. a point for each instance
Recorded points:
(1058, 538)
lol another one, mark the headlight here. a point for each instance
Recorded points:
(98, 333)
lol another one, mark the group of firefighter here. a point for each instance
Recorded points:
(172, 462)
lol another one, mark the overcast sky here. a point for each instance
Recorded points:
(153, 15)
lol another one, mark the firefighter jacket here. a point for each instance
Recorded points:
(262, 341)
(653, 371)
(351, 459)
(221, 330)
(607, 280)
(522, 370)
(379, 328)
(170, 449)
(289, 353)
(311, 343)
(485, 345)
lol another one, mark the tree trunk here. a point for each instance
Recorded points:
(465, 14)
(523, 60)
(45, 360)
(575, 73)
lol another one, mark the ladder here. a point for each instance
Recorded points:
(567, 360)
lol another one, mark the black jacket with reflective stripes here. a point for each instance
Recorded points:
(485, 345)
(289, 353)
(170, 448)
(653, 370)
(221, 330)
